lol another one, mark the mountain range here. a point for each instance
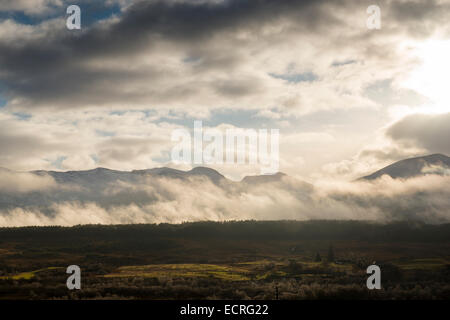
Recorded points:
(158, 195)
(109, 188)
(404, 169)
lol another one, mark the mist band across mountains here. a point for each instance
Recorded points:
(411, 189)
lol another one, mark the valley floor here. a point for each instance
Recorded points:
(233, 260)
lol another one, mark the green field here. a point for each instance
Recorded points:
(28, 275)
(234, 260)
(183, 270)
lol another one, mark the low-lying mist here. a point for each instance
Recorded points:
(38, 200)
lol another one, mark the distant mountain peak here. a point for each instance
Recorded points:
(208, 172)
(159, 171)
(204, 170)
(412, 167)
(100, 170)
(263, 178)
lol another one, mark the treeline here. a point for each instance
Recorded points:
(239, 230)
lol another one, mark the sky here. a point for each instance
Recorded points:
(347, 99)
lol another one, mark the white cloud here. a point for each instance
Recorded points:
(24, 182)
(158, 200)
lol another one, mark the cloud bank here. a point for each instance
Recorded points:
(153, 199)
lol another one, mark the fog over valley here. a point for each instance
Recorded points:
(169, 195)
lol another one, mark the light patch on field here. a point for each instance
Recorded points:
(27, 275)
(183, 270)
(422, 264)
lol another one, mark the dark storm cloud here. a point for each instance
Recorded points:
(431, 132)
(188, 21)
(412, 11)
(103, 65)
(55, 67)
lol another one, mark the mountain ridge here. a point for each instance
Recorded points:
(158, 171)
(411, 167)
(403, 169)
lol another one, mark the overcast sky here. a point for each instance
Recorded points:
(347, 100)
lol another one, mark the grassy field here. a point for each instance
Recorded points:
(430, 265)
(260, 270)
(247, 260)
(183, 270)
(254, 270)
(28, 275)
